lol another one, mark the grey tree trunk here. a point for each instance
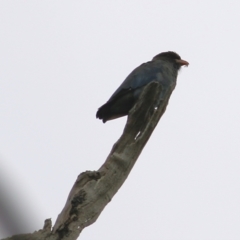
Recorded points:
(93, 190)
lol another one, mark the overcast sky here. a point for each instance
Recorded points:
(61, 60)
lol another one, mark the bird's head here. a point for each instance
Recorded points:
(171, 57)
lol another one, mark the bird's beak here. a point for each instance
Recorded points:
(182, 62)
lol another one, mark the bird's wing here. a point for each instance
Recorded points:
(138, 78)
(119, 94)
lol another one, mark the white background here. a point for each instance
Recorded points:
(61, 60)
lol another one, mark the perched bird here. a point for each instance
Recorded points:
(163, 68)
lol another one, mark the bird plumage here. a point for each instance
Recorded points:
(163, 68)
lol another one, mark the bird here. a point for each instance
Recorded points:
(163, 68)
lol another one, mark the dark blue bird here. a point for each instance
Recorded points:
(163, 68)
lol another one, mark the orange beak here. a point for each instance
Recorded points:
(182, 62)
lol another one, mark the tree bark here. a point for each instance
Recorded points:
(93, 190)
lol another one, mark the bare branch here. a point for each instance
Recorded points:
(93, 190)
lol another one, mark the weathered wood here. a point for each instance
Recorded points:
(93, 190)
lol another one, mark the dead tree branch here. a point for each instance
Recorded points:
(93, 190)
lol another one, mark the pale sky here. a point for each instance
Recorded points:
(61, 60)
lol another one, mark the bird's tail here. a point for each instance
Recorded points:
(103, 112)
(117, 107)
